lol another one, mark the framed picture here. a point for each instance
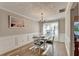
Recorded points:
(14, 22)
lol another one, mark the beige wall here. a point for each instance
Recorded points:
(12, 38)
(62, 25)
(30, 25)
(62, 30)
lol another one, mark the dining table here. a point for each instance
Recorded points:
(40, 41)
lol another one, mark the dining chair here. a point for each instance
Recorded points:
(38, 43)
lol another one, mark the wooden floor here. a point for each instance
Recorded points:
(58, 49)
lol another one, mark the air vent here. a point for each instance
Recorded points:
(62, 10)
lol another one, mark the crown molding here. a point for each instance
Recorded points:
(5, 9)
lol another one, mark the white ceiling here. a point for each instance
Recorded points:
(33, 10)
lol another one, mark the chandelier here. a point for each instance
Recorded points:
(42, 18)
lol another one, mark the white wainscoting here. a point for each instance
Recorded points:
(12, 42)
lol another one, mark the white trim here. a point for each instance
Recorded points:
(67, 46)
(69, 5)
(17, 13)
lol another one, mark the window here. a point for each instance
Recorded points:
(50, 28)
